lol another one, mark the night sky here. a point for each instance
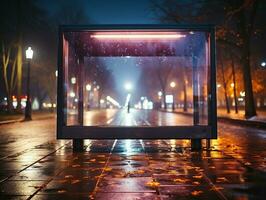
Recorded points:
(111, 11)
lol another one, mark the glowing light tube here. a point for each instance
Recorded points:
(150, 36)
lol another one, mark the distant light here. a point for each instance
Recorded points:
(114, 102)
(191, 32)
(56, 73)
(29, 53)
(72, 94)
(76, 100)
(142, 98)
(263, 64)
(219, 85)
(242, 93)
(5, 98)
(232, 84)
(160, 93)
(88, 87)
(138, 35)
(128, 86)
(73, 80)
(172, 84)
(169, 99)
(102, 101)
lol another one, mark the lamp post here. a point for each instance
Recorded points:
(172, 85)
(128, 87)
(160, 98)
(29, 55)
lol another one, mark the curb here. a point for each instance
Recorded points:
(10, 121)
(22, 120)
(248, 123)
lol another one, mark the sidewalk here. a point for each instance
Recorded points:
(256, 121)
(35, 116)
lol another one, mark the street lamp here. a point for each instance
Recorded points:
(172, 85)
(88, 87)
(29, 55)
(128, 86)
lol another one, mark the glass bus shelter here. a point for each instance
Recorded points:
(136, 82)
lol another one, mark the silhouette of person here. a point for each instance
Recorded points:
(128, 107)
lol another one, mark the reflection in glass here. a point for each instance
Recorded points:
(130, 78)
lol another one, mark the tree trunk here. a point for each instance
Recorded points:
(225, 89)
(19, 55)
(250, 109)
(185, 97)
(234, 81)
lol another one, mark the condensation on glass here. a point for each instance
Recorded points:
(136, 78)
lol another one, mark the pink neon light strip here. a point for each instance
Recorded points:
(137, 36)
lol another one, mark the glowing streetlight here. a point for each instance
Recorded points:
(72, 94)
(88, 87)
(242, 94)
(29, 56)
(263, 64)
(172, 84)
(128, 86)
(73, 80)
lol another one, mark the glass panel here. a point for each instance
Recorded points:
(136, 78)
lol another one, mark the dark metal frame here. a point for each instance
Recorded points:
(155, 132)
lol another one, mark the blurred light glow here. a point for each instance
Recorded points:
(218, 85)
(169, 99)
(138, 35)
(72, 94)
(263, 64)
(128, 99)
(128, 86)
(73, 80)
(29, 53)
(172, 84)
(56, 73)
(232, 84)
(111, 100)
(242, 93)
(160, 93)
(102, 101)
(88, 87)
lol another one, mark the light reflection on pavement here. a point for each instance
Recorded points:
(35, 165)
(115, 117)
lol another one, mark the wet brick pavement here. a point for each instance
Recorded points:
(36, 166)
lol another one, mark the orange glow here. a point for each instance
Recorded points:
(138, 35)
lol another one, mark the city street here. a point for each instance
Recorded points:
(34, 165)
(120, 117)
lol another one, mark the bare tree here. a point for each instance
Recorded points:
(9, 74)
